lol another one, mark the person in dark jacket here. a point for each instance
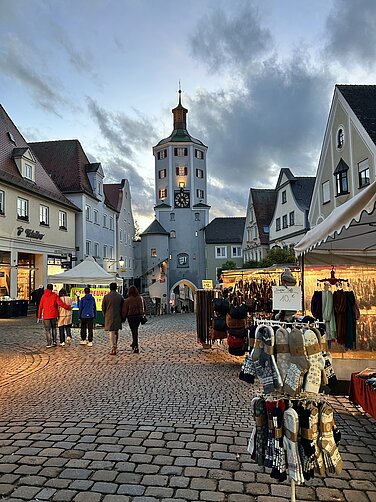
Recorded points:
(48, 307)
(87, 312)
(36, 297)
(133, 310)
(111, 307)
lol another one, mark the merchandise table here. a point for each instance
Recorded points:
(362, 394)
(13, 308)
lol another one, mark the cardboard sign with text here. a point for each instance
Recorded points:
(287, 297)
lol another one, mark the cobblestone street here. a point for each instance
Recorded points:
(168, 424)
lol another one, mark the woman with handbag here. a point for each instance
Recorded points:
(134, 310)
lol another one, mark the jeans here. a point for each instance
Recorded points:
(50, 329)
(134, 322)
(87, 323)
(65, 328)
(114, 337)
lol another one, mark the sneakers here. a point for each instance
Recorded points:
(90, 344)
(48, 346)
(54, 344)
(68, 340)
(83, 342)
(62, 344)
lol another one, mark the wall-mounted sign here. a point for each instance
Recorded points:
(287, 298)
(183, 260)
(33, 234)
(207, 284)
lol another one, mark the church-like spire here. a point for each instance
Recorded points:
(180, 114)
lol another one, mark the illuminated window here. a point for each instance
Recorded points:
(181, 171)
(153, 252)
(163, 193)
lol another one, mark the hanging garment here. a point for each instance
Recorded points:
(283, 355)
(316, 305)
(340, 308)
(350, 341)
(328, 315)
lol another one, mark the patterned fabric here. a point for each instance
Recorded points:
(282, 355)
(262, 430)
(316, 361)
(290, 443)
(331, 456)
(319, 462)
(299, 363)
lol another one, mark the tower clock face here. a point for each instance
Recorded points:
(181, 199)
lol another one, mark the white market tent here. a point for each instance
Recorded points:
(86, 272)
(346, 236)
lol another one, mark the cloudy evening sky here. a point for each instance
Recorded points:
(257, 77)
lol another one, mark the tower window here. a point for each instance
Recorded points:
(181, 152)
(162, 173)
(199, 173)
(173, 234)
(153, 252)
(182, 171)
(163, 193)
(200, 193)
(172, 216)
(162, 154)
(197, 216)
(199, 154)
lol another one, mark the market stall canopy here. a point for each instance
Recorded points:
(348, 233)
(158, 289)
(86, 272)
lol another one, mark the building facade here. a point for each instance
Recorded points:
(347, 159)
(37, 221)
(290, 218)
(223, 242)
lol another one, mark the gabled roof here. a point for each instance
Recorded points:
(65, 161)
(155, 228)
(302, 188)
(162, 205)
(263, 200)
(43, 186)
(113, 195)
(225, 231)
(284, 171)
(200, 205)
(362, 100)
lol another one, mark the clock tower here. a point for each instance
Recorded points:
(181, 200)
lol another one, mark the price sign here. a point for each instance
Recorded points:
(287, 298)
(207, 284)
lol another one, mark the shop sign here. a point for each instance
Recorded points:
(207, 284)
(32, 234)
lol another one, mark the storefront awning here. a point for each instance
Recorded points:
(350, 230)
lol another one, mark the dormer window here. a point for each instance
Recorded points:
(25, 162)
(28, 171)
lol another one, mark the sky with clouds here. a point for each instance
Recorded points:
(257, 77)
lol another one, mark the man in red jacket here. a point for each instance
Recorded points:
(48, 307)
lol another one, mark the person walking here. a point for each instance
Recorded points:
(111, 307)
(64, 321)
(86, 314)
(49, 309)
(133, 310)
(36, 297)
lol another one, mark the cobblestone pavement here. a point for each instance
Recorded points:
(169, 424)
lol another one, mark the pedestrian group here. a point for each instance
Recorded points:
(56, 312)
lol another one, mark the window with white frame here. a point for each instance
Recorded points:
(88, 212)
(28, 171)
(44, 218)
(99, 188)
(105, 255)
(162, 173)
(111, 223)
(63, 220)
(284, 221)
(363, 169)
(325, 191)
(162, 154)
(22, 209)
(284, 197)
(95, 212)
(340, 174)
(88, 247)
(200, 193)
(104, 220)
(2, 202)
(199, 154)
(181, 170)
(291, 218)
(220, 251)
(278, 224)
(199, 173)
(236, 251)
(96, 249)
(180, 152)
